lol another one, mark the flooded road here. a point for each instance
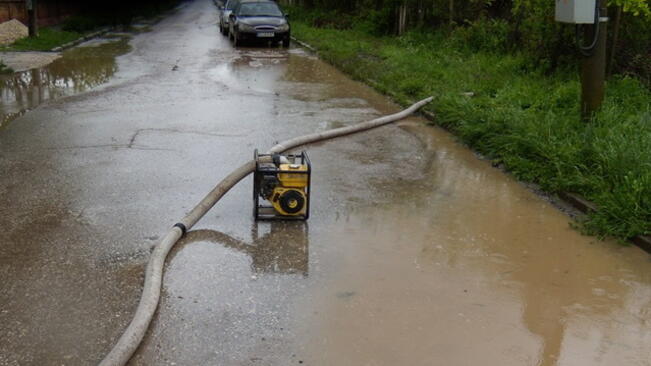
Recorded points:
(416, 252)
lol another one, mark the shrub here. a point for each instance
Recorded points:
(484, 35)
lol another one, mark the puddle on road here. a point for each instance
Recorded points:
(280, 248)
(252, 70)
(78, 70)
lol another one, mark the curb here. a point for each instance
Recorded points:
(573, 200)
(85, 38)
(585, 206)
(577, 202)
(303, 44)
(644, 242)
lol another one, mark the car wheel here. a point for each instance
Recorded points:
(286, 42)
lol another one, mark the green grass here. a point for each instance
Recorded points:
(4, 69)
(47, 39)
(517, 115)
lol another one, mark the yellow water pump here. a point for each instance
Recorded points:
(281, 186)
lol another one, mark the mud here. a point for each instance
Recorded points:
(416, 252)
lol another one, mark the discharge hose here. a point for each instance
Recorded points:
(133, 335)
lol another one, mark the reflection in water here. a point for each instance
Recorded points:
(252, 71)
(80, 69)
(281, 249)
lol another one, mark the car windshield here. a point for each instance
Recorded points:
(260, 9)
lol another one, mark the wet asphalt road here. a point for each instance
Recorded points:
(416, 253)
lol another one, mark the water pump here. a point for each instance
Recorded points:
(281, 186)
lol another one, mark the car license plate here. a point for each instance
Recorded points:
(266, 34)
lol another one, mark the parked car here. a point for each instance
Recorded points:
(258, 20)
(224, 12)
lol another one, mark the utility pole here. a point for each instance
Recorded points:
(32, 18)
(593, 67)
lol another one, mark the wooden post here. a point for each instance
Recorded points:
(593, 69)
(613, 45)
(32, 18)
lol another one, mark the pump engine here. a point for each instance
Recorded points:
(281, 186)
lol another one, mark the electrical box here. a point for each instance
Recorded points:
(575, 11)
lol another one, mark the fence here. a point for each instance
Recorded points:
(49, 12)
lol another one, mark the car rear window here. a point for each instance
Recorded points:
(260, 9)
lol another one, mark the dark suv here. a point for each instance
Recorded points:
(258, 20)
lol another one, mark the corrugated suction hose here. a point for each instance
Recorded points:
(132, 336)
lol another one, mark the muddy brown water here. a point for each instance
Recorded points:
(416, 252)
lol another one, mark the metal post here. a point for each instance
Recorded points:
(32, 18)
(593, 68)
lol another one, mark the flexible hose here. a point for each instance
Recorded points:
(133, 335)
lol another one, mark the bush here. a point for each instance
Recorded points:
(490, 35)
(376, 22)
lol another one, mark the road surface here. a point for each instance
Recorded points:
(416, 253)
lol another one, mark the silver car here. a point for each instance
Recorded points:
(224, 12)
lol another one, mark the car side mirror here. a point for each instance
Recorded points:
(287, 15)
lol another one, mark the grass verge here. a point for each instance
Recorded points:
(47, 39)
(524, 118)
